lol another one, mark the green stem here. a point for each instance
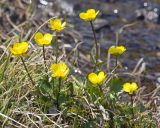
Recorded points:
(100, 88)
(132, 103)
(53, 80)
(27, 71)
(44, 58)
(96, 42)
(57, 47)
(58, 93)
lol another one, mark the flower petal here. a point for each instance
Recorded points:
(47, 39)
(83, 16)
(19, 49)
(126, 87)
(134, 86)
(101, 77)
(91, 11)
(60, 70)
(92, 77)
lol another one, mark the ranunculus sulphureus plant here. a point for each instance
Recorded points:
(60, 96)
(130, 87)
(60, 70)
(57, 25)
(89, 15)
(41, 39)
(19, 49)
(117, 50)
(97, 79)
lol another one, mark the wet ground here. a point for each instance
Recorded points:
(140, 19)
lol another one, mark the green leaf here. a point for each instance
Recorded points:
(45, 87)
(95, 93)
(115, 85)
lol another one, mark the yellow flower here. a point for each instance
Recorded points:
(89, 15)
(130, 87)
(19, 49)
(97, 79)
(60, 70)
(57, 25)
(41, 39)
(117, 50)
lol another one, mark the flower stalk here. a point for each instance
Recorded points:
(58, 92)
(133, 116)
(44, 58)
(132, 103)
(101, 90)
(27, 71)
(96, 43)
(57, 47)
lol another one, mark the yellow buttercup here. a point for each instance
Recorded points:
(60, 70)
(41, 39)
(57, 25)
(89, 15)
(97, 79)
(117, 50)
(130, 87)
(19, 49)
